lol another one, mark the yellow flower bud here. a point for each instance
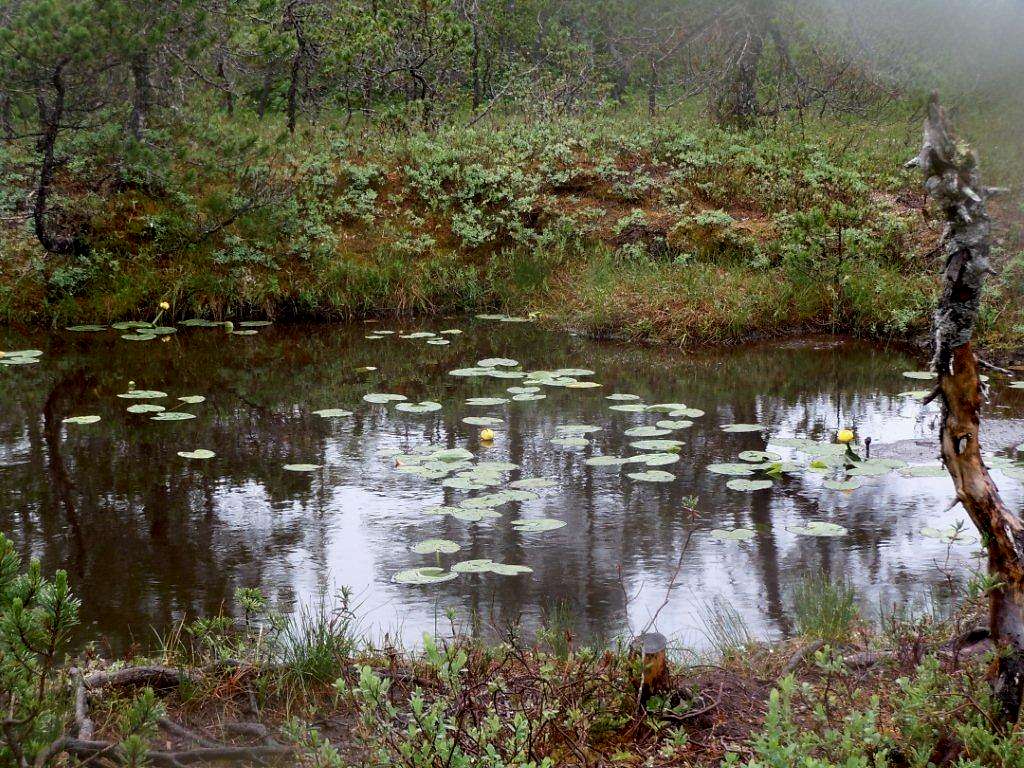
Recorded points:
(845, 435)
(486, 435)
(164, 305)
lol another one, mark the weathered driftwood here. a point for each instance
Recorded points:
(953, 182)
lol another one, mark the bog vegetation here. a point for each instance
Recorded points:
(670, 170)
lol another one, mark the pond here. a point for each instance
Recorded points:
(298, 504)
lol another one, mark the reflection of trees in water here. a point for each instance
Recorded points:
(161, 537)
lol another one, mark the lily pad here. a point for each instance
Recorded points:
(743, 427)
(733, 534)
(652, 476)
(497, 362)
(486, 401)
(255, 323)
(687, 413)
(1017, 385)
(622, 396)
(657, 445)
(483, 565)
(523, 390)
(528, 398)
(749, 485)
(606, 461)
(383, 398)
(421, 576)
(920, 375)
(538, 525)
(496, 466)
(917, 394)
(245, 332)
(926, 470)
(142, 394)
(818, 528)
(332, 413)
(483, 421)
(86, 328)
(451, 332)
(301, 467)
(435, 546)
(438, 342)
(145, 408)
(193, 399)
(666, 407)
(628, 408)
(646, 432)
(91, 419)
(452, 455)
(730, 469)
(468, 483)
(427, 406)
(671, 424)
(655, 459)
(199, 453)
(173, 416)
(758, 456)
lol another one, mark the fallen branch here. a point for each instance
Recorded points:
(92, 749)
(182, 732)
(798, 658)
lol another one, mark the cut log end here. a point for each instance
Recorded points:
(653, 646)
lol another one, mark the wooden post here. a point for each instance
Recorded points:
(653, 646)
(953, 182)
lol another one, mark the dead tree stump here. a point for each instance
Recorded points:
(953, 182)
(653, 646)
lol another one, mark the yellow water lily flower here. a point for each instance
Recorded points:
(486, 435)
(164, 305)
(845, 435)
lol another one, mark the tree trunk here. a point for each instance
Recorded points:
(953, 181)
(736, 101)
(6, 118)
(228, 92)
(51, 116)
(264, 99)
(142, 94)
(652, 89)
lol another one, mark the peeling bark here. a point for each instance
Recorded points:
(953, 182)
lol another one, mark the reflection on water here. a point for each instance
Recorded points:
(149, 537)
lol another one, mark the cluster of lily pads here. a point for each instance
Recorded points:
(140, 330)
(155, 412)
(21, 357)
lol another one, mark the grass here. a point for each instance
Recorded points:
(667, 231)
(825, 609)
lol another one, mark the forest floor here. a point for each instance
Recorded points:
(911, 693)
(666, 231)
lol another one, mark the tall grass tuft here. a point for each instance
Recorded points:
(825, 609)
(725, 628)
(317, 645)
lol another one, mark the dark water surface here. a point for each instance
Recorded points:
(149, 538)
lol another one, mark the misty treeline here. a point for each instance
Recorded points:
(117, 79)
